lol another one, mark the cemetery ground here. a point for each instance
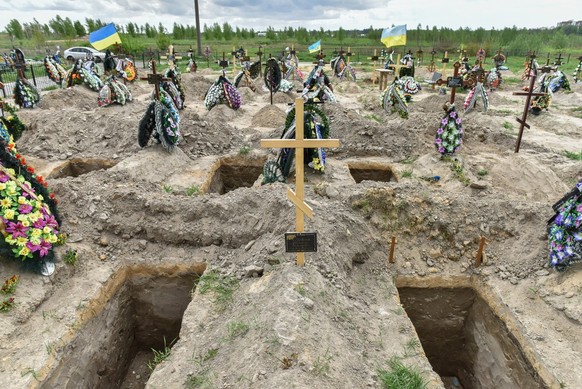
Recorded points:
(184, 252)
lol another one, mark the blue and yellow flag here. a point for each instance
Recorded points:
(104, 37)
(395, 36)
(315, 47)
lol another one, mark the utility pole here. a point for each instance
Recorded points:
(199, 43)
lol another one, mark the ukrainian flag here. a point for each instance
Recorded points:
(395, 36)
(104, 37)
(315, 47)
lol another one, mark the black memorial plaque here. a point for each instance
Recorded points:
(445, 60)
(300, 242)
(454, 82)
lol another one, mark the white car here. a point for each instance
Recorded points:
(75, 53)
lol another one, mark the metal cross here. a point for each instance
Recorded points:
(155, 79)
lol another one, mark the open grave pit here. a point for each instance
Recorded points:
(469, 341)
(142, 312)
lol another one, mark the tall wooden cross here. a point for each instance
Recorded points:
(419, 56)
(528, 94)
(260, 54)
(375, 59)
(445, 61)
(299, 144)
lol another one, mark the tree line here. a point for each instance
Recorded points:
(516, 39)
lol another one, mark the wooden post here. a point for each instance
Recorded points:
(299, 144)
(349, 54)
(392, 246)
(375, 58)
(479, 258)
(260, 54)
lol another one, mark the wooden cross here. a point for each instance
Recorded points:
(299, 144)
(461, 52)
(419, 55)
(233, 60)
(445, 61)
(431, 66)
(19, 63)
(260, 54)
(155, 79)
(455, 81)
(375, 59)
(349, 54)
(558, 61)
(528, 94)
(397, 66)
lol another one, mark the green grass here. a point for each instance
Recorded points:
(573, 155)
(508, 125)
(236, 329)
(70, 257)
(482, 172)
(167, 188)
(193, 190)
(244, 150)
(400, 376)
(406, 174)
(374, 117)
(160, 355)
(222, 287)
(201, 381)
(577, 112)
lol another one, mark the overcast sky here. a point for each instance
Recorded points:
(329, 14)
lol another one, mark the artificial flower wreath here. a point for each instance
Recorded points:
(565, 230)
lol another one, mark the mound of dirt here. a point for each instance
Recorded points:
(269, 116)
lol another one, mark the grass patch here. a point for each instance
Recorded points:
(160, 355)
(70, 257)
(321, 365)
(508, 125)
(222, 287)
(573, 155)
(50, 87)
(577, 112)
(482, 172)
(374, 117)
(457, 169)
(193, 190)
(406, 174)
(236, 329)
(201, 381)
(407, 160)
(244, 150)
(167, 188)
(400, 376)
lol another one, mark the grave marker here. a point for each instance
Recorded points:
(445, 61)
(260, 54)
(299, 144)
(392, 247)
(528, 94)
(375, 59)
(431, 66)
(155, 79)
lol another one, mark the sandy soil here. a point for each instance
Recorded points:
(336, 321)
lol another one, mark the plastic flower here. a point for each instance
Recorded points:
(16, 229)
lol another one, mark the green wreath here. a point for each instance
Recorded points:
(310, 109)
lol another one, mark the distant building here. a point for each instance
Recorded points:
(261, 33)
(566, 23)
